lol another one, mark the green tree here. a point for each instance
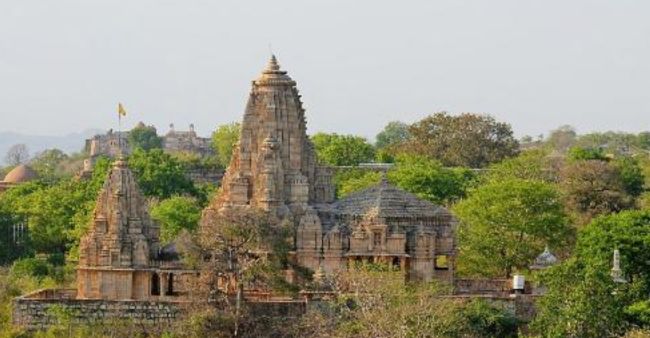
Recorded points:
(562, 138)
(53, 211)
(394, 132)
(176, 214)
(48, 163)
(530, 164)
(468, 140)
(429, 180)
(582, 299)
(582, 153)
(342, 150)
(643, 140)
(594, 187)
(352, 184)
(506, 224)
(224, 139)
(144, 137)
(632, 175)
(159, 174)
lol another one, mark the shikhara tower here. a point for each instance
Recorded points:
(117, 253)
(274, 165)
(274, 168)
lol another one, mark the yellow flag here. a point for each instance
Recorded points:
(120, 110)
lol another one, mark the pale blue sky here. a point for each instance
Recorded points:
(65, 64)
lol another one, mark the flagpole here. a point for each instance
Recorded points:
(119, 131)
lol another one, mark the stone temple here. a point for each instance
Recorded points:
(274, 167)
(120, 256)
(124, 271)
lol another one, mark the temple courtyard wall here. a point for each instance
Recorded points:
(42, 309)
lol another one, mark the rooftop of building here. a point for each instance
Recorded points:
(20, 174)
(387, 201)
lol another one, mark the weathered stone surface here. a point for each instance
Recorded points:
(274, 167)
(115, 255)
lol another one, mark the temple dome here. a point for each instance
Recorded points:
(544, 260)
(21, 174)
(387, 201)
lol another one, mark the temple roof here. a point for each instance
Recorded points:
(273, 75)
(544, 260)
(21, 174)
(386, 200)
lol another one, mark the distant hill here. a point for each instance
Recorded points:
(69, 143)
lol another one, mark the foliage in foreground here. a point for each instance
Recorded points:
(582, 298)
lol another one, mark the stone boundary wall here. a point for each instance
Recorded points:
(500, 287)
(37, 310)
(522, 306)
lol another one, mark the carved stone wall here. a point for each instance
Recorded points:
(274, 164)
(115, 255)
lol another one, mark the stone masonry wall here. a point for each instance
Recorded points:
(36, 313)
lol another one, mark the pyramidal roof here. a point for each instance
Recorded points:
(386, 200)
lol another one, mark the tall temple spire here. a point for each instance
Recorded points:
(274, 165)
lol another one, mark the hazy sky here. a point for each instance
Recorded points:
(65, 64)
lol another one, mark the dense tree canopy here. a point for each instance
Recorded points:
(160, 174)
(144, 137)
(468, 140)
(48, 163)
(531, 164)
(176, 214)
(429, 180)
(506, 224)
(582, 299)
(56, 212)
(224, 139)
(594, 187)
(342, 150)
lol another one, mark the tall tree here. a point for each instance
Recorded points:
(144, 137)
(17, 154)
(394, 132)
(342, 150)
(506, 224)
(594, 187)
(160, 174)
(468, 140)
(224, 139)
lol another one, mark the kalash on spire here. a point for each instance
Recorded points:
(274, 165)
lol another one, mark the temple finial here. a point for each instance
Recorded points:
(273, 64)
